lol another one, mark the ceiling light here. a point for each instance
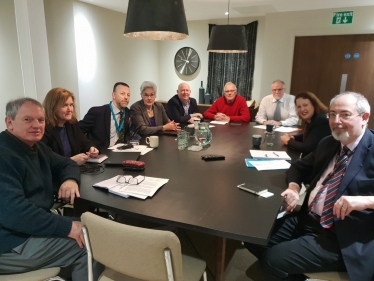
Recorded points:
(153, 20)
(228, 38)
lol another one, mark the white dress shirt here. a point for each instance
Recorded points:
(288, 111)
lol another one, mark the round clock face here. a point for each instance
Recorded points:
(186, 61)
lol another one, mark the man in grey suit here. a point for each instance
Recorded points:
(334, 230)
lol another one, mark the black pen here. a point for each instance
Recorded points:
(276, 154)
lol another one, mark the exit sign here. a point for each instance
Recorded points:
(342, 17)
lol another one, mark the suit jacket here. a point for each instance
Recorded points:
(318, 129)
(355, 233)
(175, 110)
(96, 125)
(140, 119)
(78, 141)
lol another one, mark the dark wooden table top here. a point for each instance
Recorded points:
(202, 196)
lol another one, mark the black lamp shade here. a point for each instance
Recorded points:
(156, 20)
(228, 39)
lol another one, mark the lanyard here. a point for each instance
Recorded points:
(118, 128)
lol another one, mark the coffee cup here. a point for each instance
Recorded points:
(256, 140)
(152, 141)
(269, 127)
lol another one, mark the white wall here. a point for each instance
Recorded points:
(118, 58)
(59, 17)
(199, 39)
(281, 29)
(10, 64)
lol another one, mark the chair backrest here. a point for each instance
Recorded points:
(133, 251)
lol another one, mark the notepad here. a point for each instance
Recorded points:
(100, 158)
(269, 155)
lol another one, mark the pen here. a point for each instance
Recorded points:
(276, 154)
(266, 155)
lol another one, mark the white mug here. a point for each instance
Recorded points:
(152, 141)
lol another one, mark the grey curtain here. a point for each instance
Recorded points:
(236, 68)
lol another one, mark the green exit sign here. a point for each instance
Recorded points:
(342, 17)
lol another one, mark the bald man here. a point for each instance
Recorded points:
(182, 108)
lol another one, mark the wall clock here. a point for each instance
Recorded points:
(186, 61)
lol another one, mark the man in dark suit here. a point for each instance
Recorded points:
(182, 108)
(334, 230)
(104, 125)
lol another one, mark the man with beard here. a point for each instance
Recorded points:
(108, 124)
(334, 230)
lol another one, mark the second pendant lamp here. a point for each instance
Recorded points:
(228, 38)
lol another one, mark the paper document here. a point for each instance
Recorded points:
(278, 129)
(270, 165)
(100, 158)
(285, 129)
(219, 122)
(270, 155)
(145, 188)
(143, 149)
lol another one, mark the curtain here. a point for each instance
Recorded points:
(235, 68)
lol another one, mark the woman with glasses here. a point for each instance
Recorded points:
(149, 117)
(314, 121)
(62, 133)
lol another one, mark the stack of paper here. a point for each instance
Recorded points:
(146, 188)
(269, 155)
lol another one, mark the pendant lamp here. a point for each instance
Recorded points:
(228, 38)
(156, 20)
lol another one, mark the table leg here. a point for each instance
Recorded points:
(80, 206)
(220, 257)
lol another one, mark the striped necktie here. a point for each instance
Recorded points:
(331, 183)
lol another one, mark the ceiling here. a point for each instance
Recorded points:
(215, 9)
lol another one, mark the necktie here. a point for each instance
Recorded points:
(121, 135)
(332, 182)
(277, 112)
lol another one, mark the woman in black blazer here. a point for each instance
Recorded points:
(62, 133)
(315, 123)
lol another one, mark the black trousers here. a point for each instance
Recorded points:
(298, 244)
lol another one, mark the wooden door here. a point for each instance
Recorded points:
(320, 61)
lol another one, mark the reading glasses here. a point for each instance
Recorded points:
(343, 115)
(130, 179)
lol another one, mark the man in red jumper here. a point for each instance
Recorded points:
(230, 107)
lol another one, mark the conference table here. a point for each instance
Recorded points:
(201, 196)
